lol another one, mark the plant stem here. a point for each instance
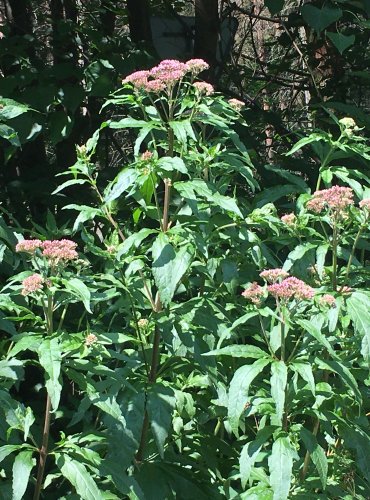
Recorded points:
(166, 203)
(358, 235)
(335, 255)
(45, 435)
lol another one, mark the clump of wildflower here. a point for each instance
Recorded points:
(274, 275)
(28, 246)
(345, 289)
(349, 125)
(138, 79)
(59, 250)
(365, 203)
(236, 104)
(204, 88)
(143, 323)
(196, 66)
(90, 339)
(169, 71)
(254, 293)
(288, 219)
(336, 198)
(146, 156)
(327, 300)
(32, 284)
(291, 288)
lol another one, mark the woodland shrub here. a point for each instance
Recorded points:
(188, 337)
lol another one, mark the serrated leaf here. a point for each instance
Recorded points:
(80, 290)
(279, 374)
(239, 388)
(358, 308)
(238, 351)
(317, 454)
(343, 372)
(79, 477)
(121, 183)
(50, 358)
(22, 467)
(280, 465)
(250, 452)
(169, 266)
(11, 369)
(161, 403)
(170, 164)
(317, 334)
(305, 371)
(71, 182)
(7, 449)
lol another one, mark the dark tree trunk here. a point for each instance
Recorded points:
(139, 20)
(206, 33)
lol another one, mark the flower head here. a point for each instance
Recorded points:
(204, 88)
(254, 293)
(274, 275)
(169, 71)
(336, 198)
(288, 219)
(146, 156)
(154, 86)
(236, 104)
(138, 79)
(291, 288)
(32, 284)
(59, 250)
(196, 66)
(365, 203)
(90, 339)
(143, 323)
(28, 246)
(327, 300)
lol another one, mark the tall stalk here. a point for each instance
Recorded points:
(48, 311)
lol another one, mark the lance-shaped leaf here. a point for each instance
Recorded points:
(161, 403)
(250, 452)
(50, 358)
(238, 351)
(280, 465)
(239, 388)
(169, 266)
(121, 183)
(80, 290)
(79, 477)
(317, 454)
(22, 467)
(358, 308)
(278, 384)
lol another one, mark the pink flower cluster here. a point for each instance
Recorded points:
(365, 203)
(146, 156)
(165, 75)
(254, 293)
(288, 219)
(32, 284)
(90, 339)
(327, 300)
(204, 88)
(53, 250)
(291, 288)
(274, 275)
(336, 198)
(236, 104)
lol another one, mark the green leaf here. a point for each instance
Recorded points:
(305, 371)
(174, 164)
(121, 183)
(317, 334)
(182, 130)
(128, 123)
(358, 308)
(274, 6)
(7, 449)
(319, 19)
(161, 403)
(11, 369)
(279, 374)
(239, 389)
(280, 465)
(297, 254)
(238, 351)
(80, 290)
(78, 476)
(250, 452)
(11, 109)
(71, 182)
(317, 454)
(50, 358)
(344, 374)
(9, 134)
(169, 266)
(341, 42)
(133, 241)
(22, 467)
